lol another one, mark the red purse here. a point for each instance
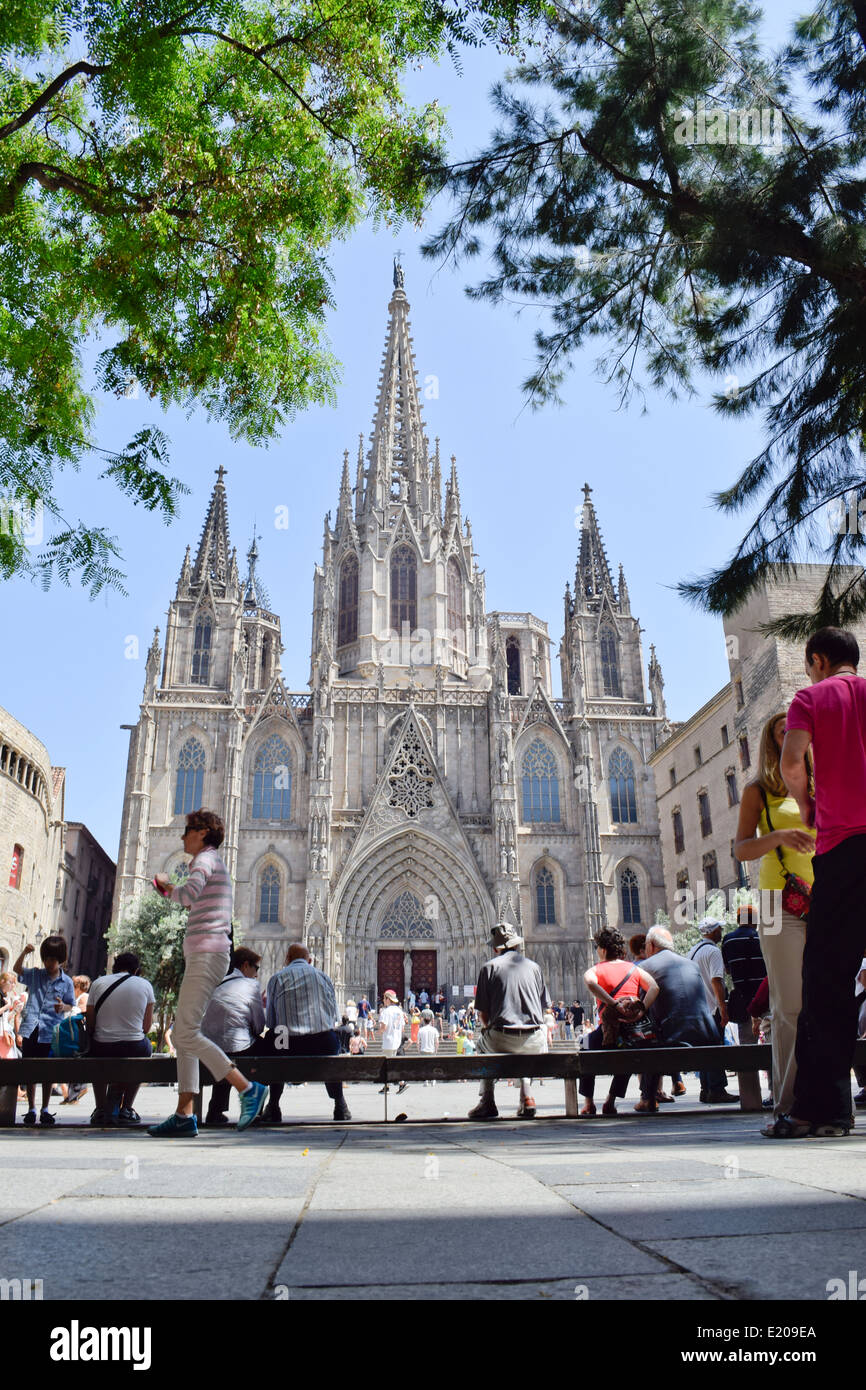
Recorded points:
(797, 893)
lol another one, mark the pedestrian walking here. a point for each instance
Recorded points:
(392, 1022)
(207, 892)
(428, 1039)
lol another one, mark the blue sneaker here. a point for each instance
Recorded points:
(175, 1127)
(252, 1104)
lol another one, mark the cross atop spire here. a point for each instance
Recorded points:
(212, 560)
(592, 579)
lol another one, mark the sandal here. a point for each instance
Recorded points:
(588, 1112)
(786, 1128)
(830, 1131)
(609, 1107)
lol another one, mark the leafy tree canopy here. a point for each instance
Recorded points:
(698, 201)
(172, 174)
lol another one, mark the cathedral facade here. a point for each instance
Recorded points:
(427, 783)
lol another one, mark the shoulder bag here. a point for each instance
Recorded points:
(71, 1038)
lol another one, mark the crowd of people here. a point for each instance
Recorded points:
(799, 979)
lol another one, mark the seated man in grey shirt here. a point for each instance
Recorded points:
(510, 998)
(680, 1014)
(234, 1020)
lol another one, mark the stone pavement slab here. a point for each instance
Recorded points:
(742, 1206)
(789, 1267)
(165, 1248)
(669, 1287)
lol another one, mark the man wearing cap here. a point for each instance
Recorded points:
(510, 999)
(708, 958)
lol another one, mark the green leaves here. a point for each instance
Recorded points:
(673, 198)
(176, 174)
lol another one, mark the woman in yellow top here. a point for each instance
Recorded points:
(784, 935)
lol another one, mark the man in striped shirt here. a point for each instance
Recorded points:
(302, 1015)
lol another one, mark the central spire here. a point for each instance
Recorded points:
(398, 458)
(592, 579)
(213, 558)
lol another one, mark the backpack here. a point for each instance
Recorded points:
(71, 1038)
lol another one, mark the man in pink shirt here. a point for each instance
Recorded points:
(831, 716)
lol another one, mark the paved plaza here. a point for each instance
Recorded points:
(693, 1204)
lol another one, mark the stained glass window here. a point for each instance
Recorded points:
(623, 805)
(540, 784)
(405, 919)
(545, 898)
(201, 651)
(269, 895)
(456, 615)
(403, 589)
(609, 663)
(512, 660)
(190, 778)
(272, 781)
(347, 623)
(630, 891)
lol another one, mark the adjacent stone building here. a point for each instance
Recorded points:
(31, 838)
(84, 909)
(428, 781)
(702, 768)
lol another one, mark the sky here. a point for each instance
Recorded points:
(74, 668)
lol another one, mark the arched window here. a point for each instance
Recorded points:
(404, 607)
(456, 614)
(272, 781)
(609, 663)
(544, 897)
(201, 650)
(630, 893)
(347, 622)
(190, 778)
(623, 805)
(266, 661)
(269, 894)
(512, 661)
(540, 784)
(16, 867)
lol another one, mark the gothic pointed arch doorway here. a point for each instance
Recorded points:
(411, 966)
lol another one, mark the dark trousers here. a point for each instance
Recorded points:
(116, 1095)
(221, 1090)
(618, 1084)
(835, 946)
(715, 1079)
(309, 1045)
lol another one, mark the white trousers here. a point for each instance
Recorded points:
(783, 957)
(203, 971)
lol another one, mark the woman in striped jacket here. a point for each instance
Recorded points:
(207, 893)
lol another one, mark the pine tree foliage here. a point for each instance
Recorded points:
(173, 174)
(664, 182)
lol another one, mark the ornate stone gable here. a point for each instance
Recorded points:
(411, 778)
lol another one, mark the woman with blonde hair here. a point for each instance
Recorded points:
(770, 829)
